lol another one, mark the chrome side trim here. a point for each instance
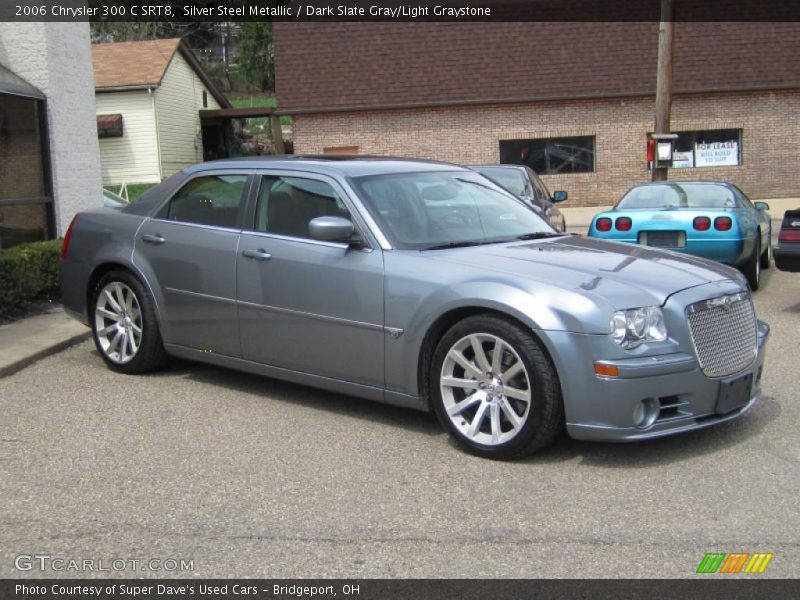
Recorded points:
(395, 332)
(308, 315)
(197, 225)
(288, 238)
(199, 295)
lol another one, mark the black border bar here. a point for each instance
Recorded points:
(700, 588)
(395, 10)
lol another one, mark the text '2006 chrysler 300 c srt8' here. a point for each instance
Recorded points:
(420, 284)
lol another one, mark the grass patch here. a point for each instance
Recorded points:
(258, 101)
(134, 190)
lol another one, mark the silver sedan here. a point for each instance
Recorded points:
(419, 284)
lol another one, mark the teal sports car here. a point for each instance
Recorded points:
(710, 219)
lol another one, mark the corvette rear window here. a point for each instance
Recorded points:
(680, 195)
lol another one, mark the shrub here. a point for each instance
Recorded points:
(28, 271)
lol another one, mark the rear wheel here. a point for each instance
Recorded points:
(752, 268)
(494, 389)
(124, 324)
(766, 256)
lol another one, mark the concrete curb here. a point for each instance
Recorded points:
(55, 348)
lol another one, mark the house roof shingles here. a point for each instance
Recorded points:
(129, 64)
(122, 65)
(343, 66)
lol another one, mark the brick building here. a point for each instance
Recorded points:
(573, 100)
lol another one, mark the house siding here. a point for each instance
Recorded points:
(132, 158)
(178, 100)
(769, 122)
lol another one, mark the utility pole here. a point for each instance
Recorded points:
(666, 31)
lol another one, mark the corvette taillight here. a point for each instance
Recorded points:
(623, 224)
(67, 238)
(701, 223)
(723, 223)
(603, 224)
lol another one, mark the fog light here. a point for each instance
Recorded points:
(646, 413)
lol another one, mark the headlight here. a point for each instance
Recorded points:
(631, 327)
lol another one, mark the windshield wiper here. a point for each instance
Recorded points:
(538, 235)
(462, 244)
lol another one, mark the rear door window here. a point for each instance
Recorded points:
(215, 200)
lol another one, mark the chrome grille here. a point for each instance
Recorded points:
(724, 333)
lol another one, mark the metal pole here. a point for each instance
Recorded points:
(666, 30)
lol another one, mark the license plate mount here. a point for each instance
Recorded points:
(663, 239)
(733, 394)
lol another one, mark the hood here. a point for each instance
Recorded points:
(625, 275)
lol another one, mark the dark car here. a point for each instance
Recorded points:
(524, 183)
(787, 252)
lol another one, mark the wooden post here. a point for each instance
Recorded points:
(666, 30)
(277, 134)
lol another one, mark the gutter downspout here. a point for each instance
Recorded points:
(158, 136)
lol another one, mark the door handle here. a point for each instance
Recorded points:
(153, 238)
(256, 254)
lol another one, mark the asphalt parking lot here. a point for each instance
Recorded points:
(248, 476)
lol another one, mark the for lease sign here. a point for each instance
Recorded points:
(716, 154)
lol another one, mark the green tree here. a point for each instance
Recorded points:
(256, 55)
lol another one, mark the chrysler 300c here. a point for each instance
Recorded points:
(420, 284)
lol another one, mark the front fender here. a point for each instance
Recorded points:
(543, 310)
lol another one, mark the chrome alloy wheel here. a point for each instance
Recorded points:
(485, 389)
(118, 322)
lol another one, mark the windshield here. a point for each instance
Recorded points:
(680, 195)
(511, 179)
(419, 211)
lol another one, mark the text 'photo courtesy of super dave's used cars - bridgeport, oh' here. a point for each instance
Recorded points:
(420, 284)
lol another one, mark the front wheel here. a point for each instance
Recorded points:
(494, 388)
(124, 324)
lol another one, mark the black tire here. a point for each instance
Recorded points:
(752, 268)
(150, 354)
(544, 419)
(766, 255)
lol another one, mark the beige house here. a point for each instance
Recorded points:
(148, 96)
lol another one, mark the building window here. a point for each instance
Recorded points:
(109, 126)
(25, 200)
(714, 148)
(551, 156)
(205, 99)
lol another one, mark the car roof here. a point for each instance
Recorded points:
(350, 166)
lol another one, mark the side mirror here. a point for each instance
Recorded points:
(761, 206)
(331, 229)
(559, 196)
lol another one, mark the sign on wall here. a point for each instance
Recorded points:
(682, 160)
(716, 154)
